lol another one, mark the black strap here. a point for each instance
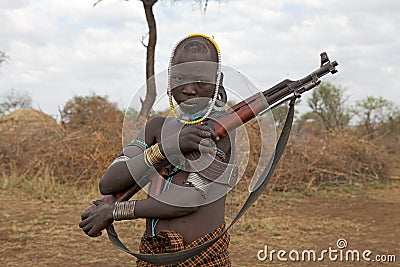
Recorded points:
(174, 257)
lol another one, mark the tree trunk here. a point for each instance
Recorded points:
(151, 93)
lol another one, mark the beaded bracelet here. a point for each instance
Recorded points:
(220, 153)
(139, 143)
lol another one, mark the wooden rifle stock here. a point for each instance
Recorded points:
(129, 193)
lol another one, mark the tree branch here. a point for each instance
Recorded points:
(98, 1)
(143, 38)
(151, 93)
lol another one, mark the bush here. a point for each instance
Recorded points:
(34, 144)
(332, 158)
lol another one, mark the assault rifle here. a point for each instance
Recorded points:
(261, 102)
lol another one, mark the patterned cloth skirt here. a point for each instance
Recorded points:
(170, 241)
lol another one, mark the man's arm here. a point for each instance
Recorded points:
(121, 175)
(119, 178)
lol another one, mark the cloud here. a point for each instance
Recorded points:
(61, 48)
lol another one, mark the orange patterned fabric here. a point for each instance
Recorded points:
(169, 241)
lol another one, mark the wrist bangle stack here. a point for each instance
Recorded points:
(153, 155)
(124, 210)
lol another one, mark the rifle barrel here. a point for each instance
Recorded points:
(259, 102)
(288, 87)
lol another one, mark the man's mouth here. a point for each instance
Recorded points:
(194, 104)
(191, 101)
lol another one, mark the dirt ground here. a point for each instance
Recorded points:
(35, 232)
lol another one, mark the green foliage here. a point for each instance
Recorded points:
(3, 57)
(280, 113)
(14, 100)
(328, 104)
(230, 103)
(131, 114)
(92, 111)
(375, 112)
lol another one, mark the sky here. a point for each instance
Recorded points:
(58, 49)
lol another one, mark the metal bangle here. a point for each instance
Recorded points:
(153, 155)
(146, 158)
(124, 210)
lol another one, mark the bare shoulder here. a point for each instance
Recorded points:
(152, 130)
(155, 122)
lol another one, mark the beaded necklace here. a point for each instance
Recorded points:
(213, 100)
(192, 116)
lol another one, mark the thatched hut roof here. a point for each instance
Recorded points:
(24, 124)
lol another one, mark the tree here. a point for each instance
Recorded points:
(328, 103)
(93, 111)
(151, 93)
(3, 57)
(375, 112)
(14, 100)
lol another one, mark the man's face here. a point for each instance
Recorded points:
(192, 81)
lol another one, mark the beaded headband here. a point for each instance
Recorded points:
(214, 99)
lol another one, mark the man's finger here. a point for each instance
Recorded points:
(85, 215)
(98, 234)
(94, 234)
(206, 148)
(211, 132)
(84, 222)
(214, 135)
(86, 228)
(95, 231)
(97, 202)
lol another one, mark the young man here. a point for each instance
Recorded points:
(189, 206)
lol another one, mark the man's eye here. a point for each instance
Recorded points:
(200, 83)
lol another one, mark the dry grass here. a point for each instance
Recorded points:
(37, 231)
(316, 159)
(34, 145)
(332, 159)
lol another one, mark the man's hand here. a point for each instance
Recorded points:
(197, 138)
(98, 219)
(190, 138)
(109, 199)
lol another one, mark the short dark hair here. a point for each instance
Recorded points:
(198, 45)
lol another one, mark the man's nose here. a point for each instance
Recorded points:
(189, 89)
